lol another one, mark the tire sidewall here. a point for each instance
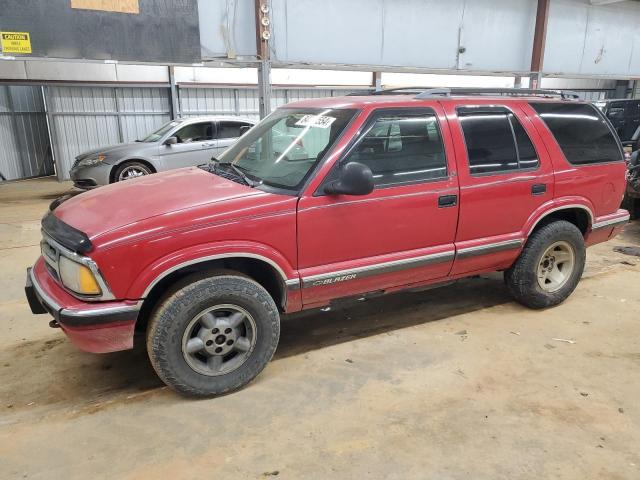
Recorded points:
(130, 163)
(522, 277)
(579, 252)
(166, 332)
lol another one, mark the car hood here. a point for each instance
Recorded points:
(127, 203)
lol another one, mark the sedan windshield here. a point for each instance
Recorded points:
(159, 133)
(282, 149)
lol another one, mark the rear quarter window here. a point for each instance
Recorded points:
(581, 131)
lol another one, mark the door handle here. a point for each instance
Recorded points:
(445, 201)
(538, 189)
(207, 145)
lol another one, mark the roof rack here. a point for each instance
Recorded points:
(514, 92)
(427, 92)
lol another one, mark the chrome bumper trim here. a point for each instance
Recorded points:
(612, 222)
(88, 313)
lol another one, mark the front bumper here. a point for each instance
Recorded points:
(92, 327)
(92, 176)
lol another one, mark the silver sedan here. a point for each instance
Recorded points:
(178, 143)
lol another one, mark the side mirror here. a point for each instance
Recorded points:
(354, 179)
(171, 141)
(244, 129)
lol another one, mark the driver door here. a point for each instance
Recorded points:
(196, 145)
(400, 234)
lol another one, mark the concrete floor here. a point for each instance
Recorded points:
(455, 383)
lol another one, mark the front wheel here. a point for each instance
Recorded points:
(129, 170)
(213, 335)
(549, 267)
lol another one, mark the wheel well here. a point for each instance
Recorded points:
(257, 270)
(112, 175)
(578, 216)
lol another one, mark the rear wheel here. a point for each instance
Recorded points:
(549, 267)
(213, 335)
(129, 170)
(632, 205)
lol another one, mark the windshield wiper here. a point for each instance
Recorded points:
(215, 166)
(251, 183)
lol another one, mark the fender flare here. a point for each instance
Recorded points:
(164, 266)
(558, 205)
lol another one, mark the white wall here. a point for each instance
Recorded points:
(585, 39)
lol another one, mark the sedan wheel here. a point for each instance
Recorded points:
(132, 171)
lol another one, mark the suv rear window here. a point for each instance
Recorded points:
(581, 131)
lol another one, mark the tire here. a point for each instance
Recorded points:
(213, 303)
(522, 278)
(131, 169)
(632, 205)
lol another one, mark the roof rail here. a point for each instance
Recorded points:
(428, 92)
(514, 92)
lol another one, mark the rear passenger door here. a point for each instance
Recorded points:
(402, 233)
(196, 145)
(504, 178)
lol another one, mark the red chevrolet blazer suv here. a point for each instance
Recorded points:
(367, 195)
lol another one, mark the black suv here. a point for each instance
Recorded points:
(624, 115)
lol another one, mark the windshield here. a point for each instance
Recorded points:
(159, 133)
(281, 150)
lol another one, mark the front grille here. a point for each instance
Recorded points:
(85, 183)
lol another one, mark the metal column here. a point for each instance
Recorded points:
(263, 34)
(173, 94)
(539, 40)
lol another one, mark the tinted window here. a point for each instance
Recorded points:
(581, 132)
(527, 156)
(230, 129)
(196, 132)
(496, 142)
(404, 148)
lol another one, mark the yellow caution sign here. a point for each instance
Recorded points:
(15, 42)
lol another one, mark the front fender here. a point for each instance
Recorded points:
(172, 262)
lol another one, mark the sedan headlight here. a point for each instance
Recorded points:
(78, 277)
(91, 160)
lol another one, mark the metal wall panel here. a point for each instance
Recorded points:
(587, 39)
(227, 28)
(470, 35)
(26, 151)
(85, 118)
(196, 101)
(162, 31)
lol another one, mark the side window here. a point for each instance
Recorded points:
(496, 142)
(582, 133)
(196, 132)
(401, 149)
(230, 129)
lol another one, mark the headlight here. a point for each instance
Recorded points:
(77, 277)
(91, 160)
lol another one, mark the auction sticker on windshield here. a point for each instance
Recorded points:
(320, 121)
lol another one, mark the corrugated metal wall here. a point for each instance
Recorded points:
(25, 150)
(85, 118)
(195, 101)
